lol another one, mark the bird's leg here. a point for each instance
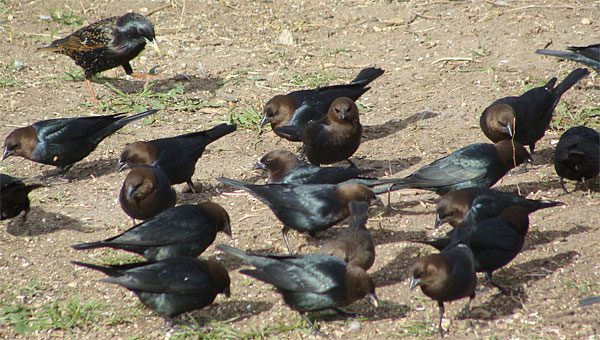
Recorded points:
(302, 153)
(352, 165)
(562, 184)
(190, 185)
(62, 171)
(314, 330)
(284, 232)
(502, 290)
(93, 97)
(346, 314)
(441, 308)
(466, 311)
(133, 220)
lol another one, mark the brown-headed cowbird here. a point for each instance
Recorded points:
(587, 55)
(172, 286)
(526, 118)
(283, 166)
(306, 207)
(185, 230)
(14, 196)
(475, 165)
(299, 108)
(447, 276)
(577, 154)
(355, 244)
(106, 44)
(176, 156)
(309, 282)
(146, 191)
(64, 141)
(454, 206)
(333, 138)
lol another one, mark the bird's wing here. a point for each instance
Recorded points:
(310, 174)
(96, 35)
(460, 166)
(68, 129)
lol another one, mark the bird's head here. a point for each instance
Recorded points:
(500, 119)
(139, 184)
(219, 276)
(217, 215)
(512, 154)
(343, 110)
(20, 142)
(349, 192)
(360, 285)
(452, 208)
(278, 111)
(426, 271)
(138, 153)
(278, 163)
(136, 29)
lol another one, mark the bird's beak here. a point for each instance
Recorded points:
(153, 44)
(438, 221)
(413, 283)
(129, 193)
(259, 166)
(7, 153)
(121, 166)
(227, 292)
(373, 300)
(509, 129)
(343, 113)
(264, 121)
(227, 230)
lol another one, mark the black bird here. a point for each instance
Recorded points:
(176, 156)
(587, 55)
(64, 141)
(526, 118)
(355, 244)
(577, 154)
(106, 44)
(309, 282)
(146, 191)
(14, 196)
(454, 206)
(447, 276)
(185, 230)
(333, 138)
(306, 207)
(475, 165)
(298, 108)
(172, 286)
(283, 166)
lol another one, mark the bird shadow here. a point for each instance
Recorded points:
(386, 310)
(527, 187)
(536, 237)
(382, 167)
(396, 270)
(372, 132)
(85, 170)
(544, 156)
(229, 311)
(514, 278)
(187, 82)
(397, 208)
(385, 236)
(41, 222)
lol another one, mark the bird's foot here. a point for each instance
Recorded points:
(346, 314)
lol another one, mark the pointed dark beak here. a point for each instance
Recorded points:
(509, 129)
(6, 154)
(129, 192)
(373, 300)
(259, 166)
(227, 292)
(413, 283)
(343, 112)
(227, 230)
(438, 221)
(121, 166)
(264, 121)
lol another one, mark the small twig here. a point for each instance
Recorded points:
(452, 59)
(159, 9)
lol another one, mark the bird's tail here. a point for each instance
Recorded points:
(439, 243)
(290, 132)
(569, 81)
(112, 128)
(234, 183)
(233, 251)
(572, 55)
(388, 185)
(219, 131)
(367, 75)
(90, 245)
(358, 214)
(110, 271)
(543, 204)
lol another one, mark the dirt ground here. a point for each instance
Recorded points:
(445, 61)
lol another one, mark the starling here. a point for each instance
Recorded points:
(106, 44)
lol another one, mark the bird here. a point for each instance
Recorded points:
(526, 118)
(146, 191)
(106, 44)
(298, 108)
(14, 198)
(333, 138)
(309, 282)
(306, 207)
(453, 207)
(587, 55)
(355, 244)
(283, 167)
(176, 156)
(172, 286)
(445, 277)
(183, 231)
(64, 141)
(475, 165)
(495, 242)
(577, 155)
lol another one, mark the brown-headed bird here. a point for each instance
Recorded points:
(106, 44)
(185, 230)
(475, 165)
(176, 156)
(445, 277)
(309, 282)
(333, 138)
(299, 108)
(14, 196)
(64, 141)
(453, 207)
(172, 286)
(146, 191)
(577, 155)
(587, 55)
(526, 118)
(355, 244)
(306, 208)
(282, 166)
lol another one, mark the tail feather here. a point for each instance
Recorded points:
(233, 251)
(367, 75)
(112, 128)
(90, 245)
(544, 204)
(234, 183)
(106, 270)
(220, 131)
(572, 55)
(569, 81)
(293, 133)
(438, 244)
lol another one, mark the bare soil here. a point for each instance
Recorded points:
(445, 61)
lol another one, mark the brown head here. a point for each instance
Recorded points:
(278, 111)
(348, 192)
(278, 163)
(217, 215)
(219, 276)
(452, 208)
(343, 110)
(497, 122)
(140, 183)
(509, 158)
(429, 272)
(138, 153)
(518, 217)
(359, 285)
(20, 142)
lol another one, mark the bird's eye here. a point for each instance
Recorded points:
(337, 110)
